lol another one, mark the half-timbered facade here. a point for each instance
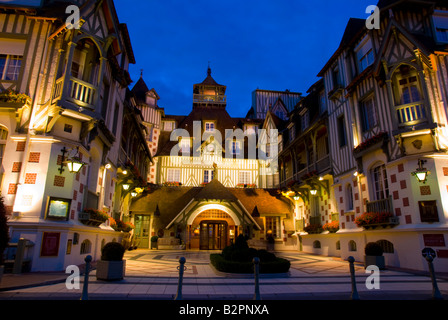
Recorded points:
(62, 94)
(386, 92)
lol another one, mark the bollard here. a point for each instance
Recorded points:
(181, 269)
(436, 295)
(256, 262)
(354, 295)
(20, 254)
(85, 295)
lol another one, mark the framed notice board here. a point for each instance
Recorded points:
(50, 244)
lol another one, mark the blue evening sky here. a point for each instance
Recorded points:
(264, 44)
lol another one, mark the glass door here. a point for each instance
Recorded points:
(141, 232)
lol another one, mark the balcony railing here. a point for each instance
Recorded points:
(209, 98)
(383, 205)
(80, 92)
(411, 114)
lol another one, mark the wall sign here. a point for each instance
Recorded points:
(434, 240)
(50, 244)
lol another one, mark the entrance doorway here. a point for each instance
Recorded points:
(141, 231)
(213, 235)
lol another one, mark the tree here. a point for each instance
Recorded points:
(4, 230)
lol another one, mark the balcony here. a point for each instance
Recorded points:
(204, 98)
(383, 205)
(80, 92)
(411, 114)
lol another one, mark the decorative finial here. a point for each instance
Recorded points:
(209, 70)
(141, 73)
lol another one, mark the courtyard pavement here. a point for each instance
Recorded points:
(153, 275)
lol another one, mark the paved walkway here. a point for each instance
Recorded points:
(153, 275)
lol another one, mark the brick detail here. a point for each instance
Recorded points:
(20, 146)
(400, 167)
(12, 189)
(343, 225)
(425, 190)
(59, 181)
(72, 214)
(393, 178)
(408, 219)
(395, 195)
(403, 184)
(398, 212)
(405, 202)
(81, 188)
(16, 166)
(34, 157)
(356, 196)
(341, 200)
(75, 195)
(30, 178)
(445, 171)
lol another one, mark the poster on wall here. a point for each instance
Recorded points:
(50, 244)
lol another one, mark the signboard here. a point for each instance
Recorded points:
(434, 240)
(428, 252)
(50, 244)
(58, 208)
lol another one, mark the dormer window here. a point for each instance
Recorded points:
(10, 67)
(441, 25)
(209, 126)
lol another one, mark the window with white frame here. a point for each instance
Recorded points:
(173, 175)
(184, 145)
(209, 126)
(10, 67)
(244, 177)
(168, 125)
(208, 176)
(349, 196)
(236, 147)
(380, 183)
(368, 114)
(273, 227)
(305, 120)
(365, 55)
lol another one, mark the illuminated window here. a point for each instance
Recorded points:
(184, 145)
(236, 147)
(208, 176)
(244, 177)
(273, 227)
(368, 115)
(380, 184)
(209, 126)
(173, 175)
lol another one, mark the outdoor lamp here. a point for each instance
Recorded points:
(421, 173)
(74, 164)
(126, 186)
(134, 194)
(296, 198)
(313, 191)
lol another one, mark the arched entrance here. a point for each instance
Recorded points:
(212, 229)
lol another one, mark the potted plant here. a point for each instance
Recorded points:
(111, 266)
(154, 242)
(374, 255)
(4, 235)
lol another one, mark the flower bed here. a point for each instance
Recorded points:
(332, 226)
(11, 96)
(246, 185)
(370, 142)
(172, 184)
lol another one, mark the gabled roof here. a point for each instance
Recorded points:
(215, 191)
(209, 81)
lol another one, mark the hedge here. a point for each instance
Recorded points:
(279, 265)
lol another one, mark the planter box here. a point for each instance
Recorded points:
(392, 222)
(375, 260)
(110, 270)
(85, 218)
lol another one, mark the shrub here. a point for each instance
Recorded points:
(373, 249)
(332, 226)
(313, 228)
(372, 218)
(4, 230)
(112, 251)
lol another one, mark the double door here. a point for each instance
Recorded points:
(213, 235)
